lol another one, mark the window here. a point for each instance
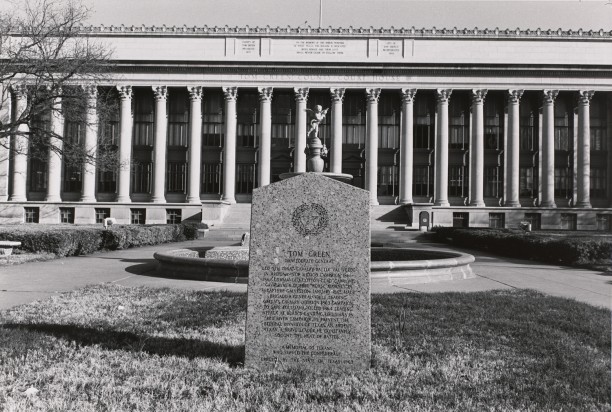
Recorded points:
(528, 135)
(176, 177)
(247, 117)
(107, 181)
(353, 119)
(604, 222)
(568, 221)
(459, 122)
(563, 125)
(141, 177)
(31, 214)
(173, 216)
(457, 181)
(563, 182)
(143, 117)
(493, 122)
(138, 216)
(461, 219)
(178, 118)
(388, 180)
(211, 178)
(283, 106)
(246, 178)
(388, 121)
(598, 182)
(66, 214)
(528, 182)
(38, 175)
(423, 123)
(101, 214)
(494, 182)
(72, 178)
(534, 219)
(422, 182)
(497, 220)
(598, 124)
(212, 119)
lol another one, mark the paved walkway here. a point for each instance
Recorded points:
(28, 282)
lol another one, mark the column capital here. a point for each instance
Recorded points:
(230, 93)
(514, 95)
(443, 95)
(19, 90)
(408, 95)
(301, 94)
(373, 95)
(160, 92)
(478, 95)
(549, 96)
(585, 96)
(337, 94)
(265, 94)
(125, 92)
(195, 92)
(91, 90)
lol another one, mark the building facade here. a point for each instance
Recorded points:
(478, 127)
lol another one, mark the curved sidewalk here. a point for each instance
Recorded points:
(25, 283)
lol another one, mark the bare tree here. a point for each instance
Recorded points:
(53, 68)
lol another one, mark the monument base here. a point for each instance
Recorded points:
(341, 177)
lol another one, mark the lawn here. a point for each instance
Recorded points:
(114, 348)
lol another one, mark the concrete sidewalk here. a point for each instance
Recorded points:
(28, 282)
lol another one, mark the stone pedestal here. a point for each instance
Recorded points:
(309, 276)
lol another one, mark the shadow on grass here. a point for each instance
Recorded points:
(132, 342)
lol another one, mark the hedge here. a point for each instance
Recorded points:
(574, 250)
(74, 240)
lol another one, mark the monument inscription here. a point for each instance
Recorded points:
(309, 287)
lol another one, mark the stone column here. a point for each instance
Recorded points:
(229, 148)
(91, 144)
(160, 93)
(371, 165)
(337, 96)
(477, 148)
(299, 156)
(125, 144)
(406, 146)
(583, 150)
(56, 144)
(441, 189)
(19, 146)
(513, 149)
(548, 148)
(195, 144)
(265, 142)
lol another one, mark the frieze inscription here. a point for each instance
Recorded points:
(320, 47)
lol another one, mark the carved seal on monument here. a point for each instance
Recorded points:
(310, 219)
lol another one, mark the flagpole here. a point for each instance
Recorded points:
(320, 13)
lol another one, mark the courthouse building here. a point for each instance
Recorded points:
(479, 127)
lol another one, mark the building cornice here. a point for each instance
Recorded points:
(360, 32)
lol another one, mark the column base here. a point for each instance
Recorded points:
(548, 203)
(53, 199)
(124, 199)
(194, 200)
(3, 198)
(477, 203)
(443, 203)
(584, 205)
(406, 201)
(512, 203)
(229, 200)
(18, 199)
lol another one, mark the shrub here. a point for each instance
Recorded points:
(74, 240)
(525, 245)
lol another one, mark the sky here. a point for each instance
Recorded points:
(545, 14)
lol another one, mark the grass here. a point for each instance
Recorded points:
(114, 348)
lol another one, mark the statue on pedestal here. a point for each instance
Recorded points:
(314, 149)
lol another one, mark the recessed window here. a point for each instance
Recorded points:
(138, 216)
(604, 222)
(101, 214)
(31, 214)
(66, 214)
(497, 220)
(535, 220)
(461, 219)
(173, 216)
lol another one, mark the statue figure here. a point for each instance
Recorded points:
(318, 116)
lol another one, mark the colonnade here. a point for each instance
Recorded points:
(408, 96)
